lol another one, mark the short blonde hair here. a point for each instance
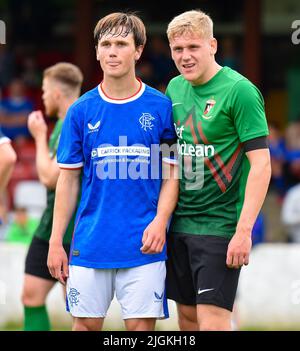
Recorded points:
(67, 74)
(194, 21)
(121, 23)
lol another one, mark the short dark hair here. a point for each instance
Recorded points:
(121, 23)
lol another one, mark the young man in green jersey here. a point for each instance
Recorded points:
(61, 87)
(221, 127)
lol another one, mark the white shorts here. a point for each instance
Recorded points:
(139, 290)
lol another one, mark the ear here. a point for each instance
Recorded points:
(97, 53)
(213, 46)
(138, 52)
(57, 93)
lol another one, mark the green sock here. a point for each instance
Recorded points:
(36, 318)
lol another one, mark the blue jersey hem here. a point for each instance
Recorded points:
(113, 265)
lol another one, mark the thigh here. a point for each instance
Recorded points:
(215, 283)
(141, 291)
(179, 282)
(35, 290)
(89, 291)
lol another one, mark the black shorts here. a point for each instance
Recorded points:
(197, 271)
(36, 259)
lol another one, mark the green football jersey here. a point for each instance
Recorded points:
(44, 229)
(212, 122)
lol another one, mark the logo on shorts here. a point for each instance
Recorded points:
(158, 297)
(204, 290)
(73, 299)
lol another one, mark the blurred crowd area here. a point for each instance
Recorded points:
(21, 73)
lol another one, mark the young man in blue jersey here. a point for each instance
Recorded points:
(114, 132)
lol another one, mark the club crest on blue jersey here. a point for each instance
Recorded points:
(146, 121)
(73, 297)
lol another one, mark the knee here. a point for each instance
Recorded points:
(184, 322)
(29, 297)
(80, 327)
(213, 318)
(187, 321)
(86, 325)
(215, 324)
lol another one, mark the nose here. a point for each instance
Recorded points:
(112, 51)
(186, 55)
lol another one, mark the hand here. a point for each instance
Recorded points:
(154, 237)
(37, 125)
(58, 263)
(239, 250)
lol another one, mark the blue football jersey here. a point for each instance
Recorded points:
(117, 142)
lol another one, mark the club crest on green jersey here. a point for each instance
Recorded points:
(209, 105)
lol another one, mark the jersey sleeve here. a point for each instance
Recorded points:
(247, 111)
(70, 152)
(168, 140)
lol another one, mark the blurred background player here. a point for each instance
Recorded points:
(61, 87)
(119, 241)
(22, 227)
(14, 111)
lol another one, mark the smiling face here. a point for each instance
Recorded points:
(117, 54)
(194, 56)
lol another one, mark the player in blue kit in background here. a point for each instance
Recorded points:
(114, 132)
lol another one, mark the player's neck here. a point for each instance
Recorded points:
(120, 88)
(63, 108)
(209, 74)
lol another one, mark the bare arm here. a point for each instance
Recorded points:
(47, 167)
(154, 236)
(255, 193)
(66, 196)
(8, 159)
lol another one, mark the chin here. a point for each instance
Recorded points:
(115, 75)
(51, 112)
(192, 78)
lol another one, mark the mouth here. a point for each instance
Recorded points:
(188, 66)
(113, 64)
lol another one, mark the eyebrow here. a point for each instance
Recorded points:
(188, 46)
(108, 41)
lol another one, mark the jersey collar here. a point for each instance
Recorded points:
(122, 101)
